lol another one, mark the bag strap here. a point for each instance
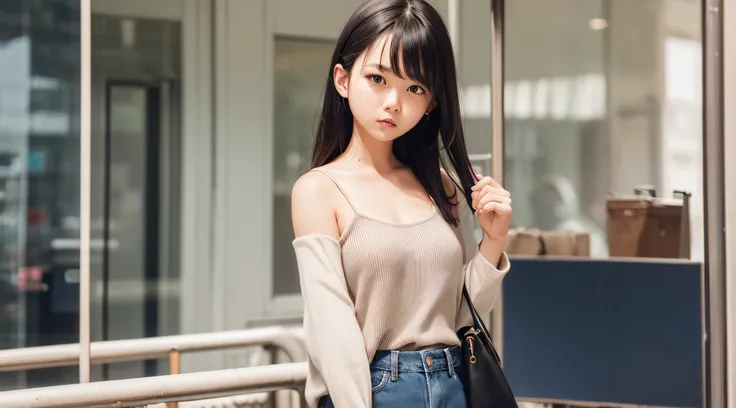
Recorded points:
(484, 336)
(477, 321)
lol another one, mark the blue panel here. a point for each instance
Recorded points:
(611, 331)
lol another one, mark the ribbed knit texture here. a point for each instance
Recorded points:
(405, 281)
(402, 283)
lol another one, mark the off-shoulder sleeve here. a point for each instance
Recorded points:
(484, 282)
(333, 337)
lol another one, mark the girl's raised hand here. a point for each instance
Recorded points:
(492, 204)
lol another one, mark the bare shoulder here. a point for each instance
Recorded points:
(312, 206)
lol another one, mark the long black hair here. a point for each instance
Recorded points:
(419, 37)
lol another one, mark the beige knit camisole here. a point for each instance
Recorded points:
(383, 286)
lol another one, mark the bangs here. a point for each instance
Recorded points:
(413, 54)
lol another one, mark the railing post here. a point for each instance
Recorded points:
(271, 358)
(174, 363)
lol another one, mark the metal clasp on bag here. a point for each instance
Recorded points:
(471, 343)
(472, 331)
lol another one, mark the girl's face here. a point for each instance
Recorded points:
(384, 105)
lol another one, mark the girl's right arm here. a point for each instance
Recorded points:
(333, 337)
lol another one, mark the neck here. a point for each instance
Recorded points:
(365, 151)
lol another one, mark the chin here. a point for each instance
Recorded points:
(387, 135)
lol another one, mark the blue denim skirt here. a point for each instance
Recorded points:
(415, 379)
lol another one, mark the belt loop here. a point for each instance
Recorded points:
(394, 365)
(450, 363)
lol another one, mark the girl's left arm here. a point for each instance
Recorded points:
(484, 281)
(484, 272)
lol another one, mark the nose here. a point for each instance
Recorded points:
(391, 103)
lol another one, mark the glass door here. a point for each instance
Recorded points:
(131, 222)
(135, 177)
(605, 97)
(601, 97)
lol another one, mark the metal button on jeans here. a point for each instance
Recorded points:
(430, 361)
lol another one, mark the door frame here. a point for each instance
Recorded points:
(155, 255)
(717, 189)
(195, 193)
(729, 149)
(243, 250)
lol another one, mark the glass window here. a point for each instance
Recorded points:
(473, 60)
(39, 181)
(136, 78)
(300, 66)
(601, 97)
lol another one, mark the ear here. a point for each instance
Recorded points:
(342, 77)
(432, 105)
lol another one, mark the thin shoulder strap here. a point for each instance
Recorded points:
(339, 187)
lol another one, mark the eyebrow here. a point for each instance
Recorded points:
(383, 68)
(380, 67)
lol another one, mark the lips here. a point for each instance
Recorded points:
(387, 122)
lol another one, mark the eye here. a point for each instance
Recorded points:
(376, 79)
(416, 89)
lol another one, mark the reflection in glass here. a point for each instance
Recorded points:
(300, 66)
(473, 60)
(131, 224)
(39, 181)
(136, 74)
(592, 110)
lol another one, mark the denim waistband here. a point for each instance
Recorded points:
(445, 359)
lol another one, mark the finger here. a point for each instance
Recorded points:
(478, 195)
(495, 190)
(489, 208)
(489, 198)
(484, 182)
(488, 193)
(501, 209)
(482, 205)
(475, 196)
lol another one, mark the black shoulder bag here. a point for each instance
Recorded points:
(481, 373)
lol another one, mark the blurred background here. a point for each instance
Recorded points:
(203, 116)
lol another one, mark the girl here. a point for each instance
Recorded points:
(378, 240)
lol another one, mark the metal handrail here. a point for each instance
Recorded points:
(260, 399)
(169, 388)
(288, 340)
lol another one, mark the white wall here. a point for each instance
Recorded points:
(318, 18)
(242, 271)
